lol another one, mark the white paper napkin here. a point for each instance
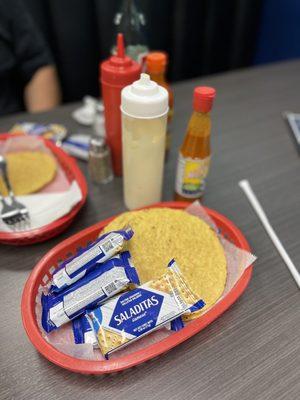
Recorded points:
(48, 207)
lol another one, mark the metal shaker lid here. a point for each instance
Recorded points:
(97, 144)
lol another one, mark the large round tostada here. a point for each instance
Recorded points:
(161, 234)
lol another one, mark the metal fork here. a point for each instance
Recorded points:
(10, 215)
(15, 214)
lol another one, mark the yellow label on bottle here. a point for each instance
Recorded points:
(190, 177)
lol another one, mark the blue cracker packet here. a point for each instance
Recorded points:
(83, 331)
(177, 324)
(97, 286)
(79, 265)
(134, 314)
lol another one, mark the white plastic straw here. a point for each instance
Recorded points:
(245, 185)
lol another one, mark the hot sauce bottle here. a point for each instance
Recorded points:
(156, 65)
(194, 154)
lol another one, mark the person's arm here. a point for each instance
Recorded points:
(35, 64)
(42, 92)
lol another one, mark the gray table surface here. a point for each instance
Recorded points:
(253, 350)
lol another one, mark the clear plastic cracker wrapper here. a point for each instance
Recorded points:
(97, 286)
(100, 251)
(134, 314)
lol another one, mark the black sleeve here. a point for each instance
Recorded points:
(30, 49)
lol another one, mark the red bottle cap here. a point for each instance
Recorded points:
(119, 70)
(203, 98)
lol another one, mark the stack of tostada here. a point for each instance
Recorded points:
(161, 234)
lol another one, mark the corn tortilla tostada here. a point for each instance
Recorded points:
(161, 234)
(28, 171)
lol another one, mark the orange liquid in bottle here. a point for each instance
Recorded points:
(156, 64)
(194, 155)
(160, 79)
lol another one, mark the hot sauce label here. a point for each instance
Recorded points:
(190, 176)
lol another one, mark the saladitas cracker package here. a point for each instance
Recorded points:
(136, 313)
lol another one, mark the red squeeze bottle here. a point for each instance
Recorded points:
(116, 73)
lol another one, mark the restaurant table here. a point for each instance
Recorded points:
(253, 350)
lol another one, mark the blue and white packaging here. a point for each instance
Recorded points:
(77, 146)
(79, 265)
(84, 334)
(131, 315)
(83, 331)
(93, 289)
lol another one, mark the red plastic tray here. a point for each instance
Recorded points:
(63, 250)
(46, 232)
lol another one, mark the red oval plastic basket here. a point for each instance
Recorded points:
(41, 273)
(46, 232)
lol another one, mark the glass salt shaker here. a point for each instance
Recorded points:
(99, 163)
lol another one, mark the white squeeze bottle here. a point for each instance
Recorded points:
(144, 106)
